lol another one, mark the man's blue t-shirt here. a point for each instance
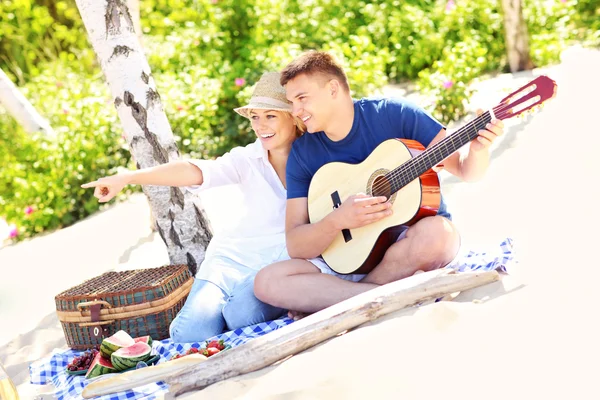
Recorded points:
(375, 120)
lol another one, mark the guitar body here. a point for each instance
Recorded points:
(360, 250)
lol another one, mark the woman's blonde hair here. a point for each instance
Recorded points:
(300, 127)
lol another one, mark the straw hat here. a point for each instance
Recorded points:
(268, 95)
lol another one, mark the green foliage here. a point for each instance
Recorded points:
(588, 13)
(447, 81)
(552, 26)
(206, 54)
(470, 34)
(44, 173)
(32, 32)
(191, 102)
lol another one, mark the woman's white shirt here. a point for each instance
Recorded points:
(257, 239)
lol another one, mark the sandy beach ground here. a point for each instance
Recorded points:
(532, 335)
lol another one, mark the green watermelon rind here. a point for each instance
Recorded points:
(107, 348)
(96, 369)
(121, 362)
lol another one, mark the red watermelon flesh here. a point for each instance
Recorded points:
(144, 339)
(115, 342)
(100, 366)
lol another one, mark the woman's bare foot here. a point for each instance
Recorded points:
(296, 315)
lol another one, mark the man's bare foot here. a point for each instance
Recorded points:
(296, 315)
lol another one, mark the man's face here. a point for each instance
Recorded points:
(311, 100)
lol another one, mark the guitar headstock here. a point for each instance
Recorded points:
(526, 98)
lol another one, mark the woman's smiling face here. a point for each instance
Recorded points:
(275, 129)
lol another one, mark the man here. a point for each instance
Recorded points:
(347, 130)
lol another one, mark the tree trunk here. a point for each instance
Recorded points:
(134, 11)
(20, 108)
(517, 40)
(180, 219)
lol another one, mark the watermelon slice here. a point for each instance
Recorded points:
(144, 339)
(128, 357)
(99, 366)
(115, 342)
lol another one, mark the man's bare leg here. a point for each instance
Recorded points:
(429, 244)
(300, 286)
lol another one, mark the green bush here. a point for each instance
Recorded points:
(552, 26)
(32, 32)
(363, 62)
(45, 173)
(470, 40)
(191, 102)
(448, 81)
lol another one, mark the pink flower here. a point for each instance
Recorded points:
(450, 5)
(59, 84)
(13, 232)
(240, 81)
(65, 111)
(179, 108)
(448, 84)
(214, 1)
(28, 210)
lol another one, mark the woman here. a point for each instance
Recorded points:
(222, 295)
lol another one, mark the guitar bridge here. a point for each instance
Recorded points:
(335, 198)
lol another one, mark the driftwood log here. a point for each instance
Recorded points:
(299, 336)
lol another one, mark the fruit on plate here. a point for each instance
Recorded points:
(129, 351)
(115, 342)
(82, 362)
(218, 344)
(128, 357)
(213, 347)
(99, 366)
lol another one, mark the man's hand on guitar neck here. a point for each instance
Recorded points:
(471, 165)
(487, 136)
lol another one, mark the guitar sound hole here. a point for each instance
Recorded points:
(382, 187)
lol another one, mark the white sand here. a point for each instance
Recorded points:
(532, 335)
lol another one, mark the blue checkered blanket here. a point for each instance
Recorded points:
(52, 370)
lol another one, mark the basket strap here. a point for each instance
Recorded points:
(96, 329)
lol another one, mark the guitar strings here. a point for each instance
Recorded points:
(396, 175)
(416, 164)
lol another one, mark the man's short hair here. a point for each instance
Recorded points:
(315, 62)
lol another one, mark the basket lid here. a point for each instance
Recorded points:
(160, 281)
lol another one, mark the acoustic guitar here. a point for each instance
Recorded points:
(400, 169)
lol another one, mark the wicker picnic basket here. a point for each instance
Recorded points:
(141, 302)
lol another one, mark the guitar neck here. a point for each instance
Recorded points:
(417, 166)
